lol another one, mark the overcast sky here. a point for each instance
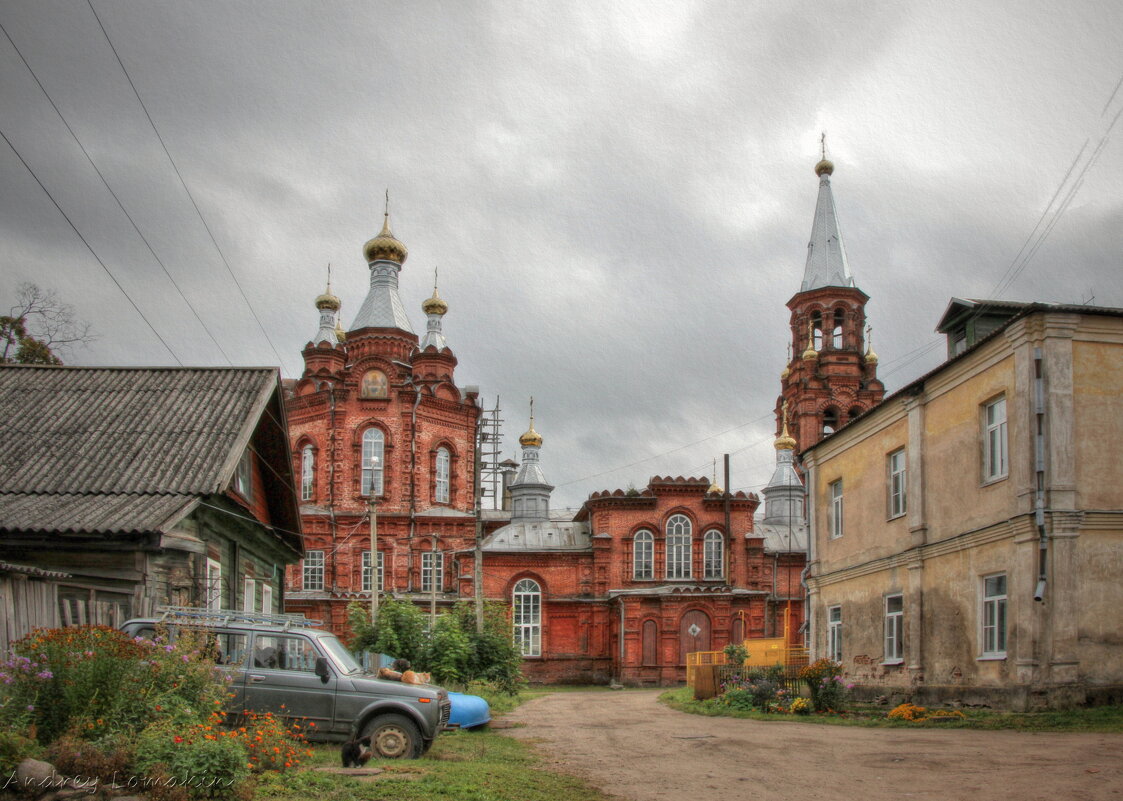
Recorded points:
(618, 195)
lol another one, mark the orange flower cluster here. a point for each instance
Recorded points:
(270, 742)
(915, 714)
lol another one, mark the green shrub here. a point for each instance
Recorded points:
(14, 748)
(103, 761)
(94, 681)
(448, 652)
(825, 685)
(208, 763)
(455, 652)
(735, 653)
(737, 698)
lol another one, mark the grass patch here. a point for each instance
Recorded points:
(461, 766)
(1093, 719)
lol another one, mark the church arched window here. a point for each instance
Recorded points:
(307, 472)
(830, 421)
(440, 492)
(817, 330)
(643, 556)
(836, 332)
(527, 602)
(679, 533)
(374, 446)
(713, 552)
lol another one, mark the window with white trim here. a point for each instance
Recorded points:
(440, 491)
(894, 628)
(834, 633)
(432, 561)
(995, 457)
(994, 616)
(713, 555)
(313, 570)
(214, 584)
(249, 595)
(897, 488)
(267, 598)
(679, 535)
(366, 571)
(307, 472)
(643, 556)
(835, 514)
(527, 601)
(374, 447)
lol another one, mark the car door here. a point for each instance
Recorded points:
(281, 678)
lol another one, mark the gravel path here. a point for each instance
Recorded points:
(630, 745)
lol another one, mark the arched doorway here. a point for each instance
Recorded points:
(693, 634)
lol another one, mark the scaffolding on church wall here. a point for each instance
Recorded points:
(490, 446)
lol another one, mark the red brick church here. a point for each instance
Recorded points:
(622, 590)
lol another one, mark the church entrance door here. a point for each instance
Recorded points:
(694, 634)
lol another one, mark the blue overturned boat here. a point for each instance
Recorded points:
(468, 711)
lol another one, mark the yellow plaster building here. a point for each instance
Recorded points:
(967, 532)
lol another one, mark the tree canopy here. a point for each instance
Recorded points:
(38, 327)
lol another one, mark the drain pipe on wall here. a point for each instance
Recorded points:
(1039, 504)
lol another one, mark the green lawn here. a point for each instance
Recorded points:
(461, 766)
(1097, 719)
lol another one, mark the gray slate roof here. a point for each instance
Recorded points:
(120, 449)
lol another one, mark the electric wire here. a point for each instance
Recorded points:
(90, 248)
(120, 204)
(183, 183)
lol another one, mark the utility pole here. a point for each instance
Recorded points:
(433, 587)
(478, 555)
(373, 543)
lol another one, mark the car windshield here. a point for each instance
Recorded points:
(341, 655)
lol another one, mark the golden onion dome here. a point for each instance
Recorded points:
(787, 371)
(871, 357)
(715, 488)
(824, 166)
(328, 301)
(785, 442)
(385, 246)
(810, 354)
(531, 438)
(434, 304)
(340, 334)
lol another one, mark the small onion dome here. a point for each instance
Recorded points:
(824, 166)
(385, 246)
(787, 371)
(871, 357)
(715, 488)
(785, 442)
(340, 334)
(810, 354)
(531, 438)
(434, 304)
(327, 301)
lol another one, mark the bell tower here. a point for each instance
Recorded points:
(831, 375)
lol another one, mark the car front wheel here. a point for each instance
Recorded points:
(394, 737)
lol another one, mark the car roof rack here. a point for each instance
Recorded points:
(224, 617)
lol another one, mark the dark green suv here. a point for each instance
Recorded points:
(282, 664)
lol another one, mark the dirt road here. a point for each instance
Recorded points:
(630, 745)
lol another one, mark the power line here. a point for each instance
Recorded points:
(90, 248)
(121, 205)
(183, 183)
